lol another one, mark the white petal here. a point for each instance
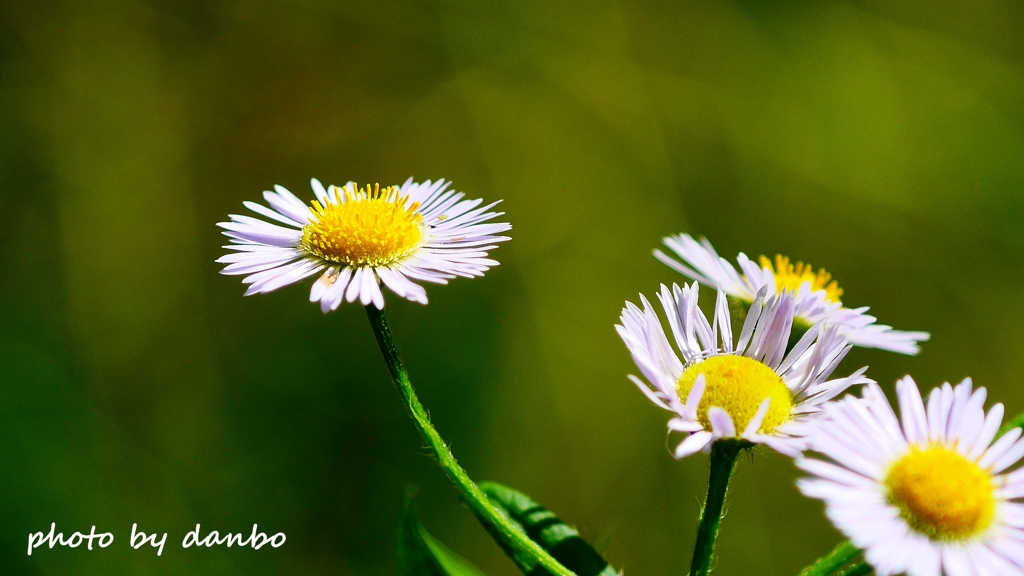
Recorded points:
(334, 296)
(695, 443)
(721, 423)
(368, 288)
(1001, 446)
(693, 398)
(681, 425)
(988, 431)
(322, 284)
(319, 191)
(755, 423)
(356, 284)
(399, 284)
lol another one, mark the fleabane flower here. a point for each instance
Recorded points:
(718, 387)
(357, 238)
(925, 496)
(817, 295)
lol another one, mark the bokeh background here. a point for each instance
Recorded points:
(883, 141)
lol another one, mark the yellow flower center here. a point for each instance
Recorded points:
(738, 385)
(368, 227)
(790, 276)
(941, 494)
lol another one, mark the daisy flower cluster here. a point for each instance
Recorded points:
(932, 491)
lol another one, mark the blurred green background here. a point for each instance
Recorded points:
(883, 141)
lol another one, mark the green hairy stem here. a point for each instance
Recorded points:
(723, 461)
(472, 494)
(840, 556)
(861, 569)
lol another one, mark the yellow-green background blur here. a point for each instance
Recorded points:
(881, 140)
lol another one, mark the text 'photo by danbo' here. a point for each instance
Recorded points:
(438, 288)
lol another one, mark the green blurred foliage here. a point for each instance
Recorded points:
(884, 141)
(420, 554)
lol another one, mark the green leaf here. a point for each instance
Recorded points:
(840, 556)
(420, 554)
(562, 541)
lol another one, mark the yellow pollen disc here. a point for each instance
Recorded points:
(738, 385)
(790, 276)
(941, 494)
(367, 227)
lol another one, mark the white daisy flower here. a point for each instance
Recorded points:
(360, 237)
(927, 496)
(817, 295)
(752, 390)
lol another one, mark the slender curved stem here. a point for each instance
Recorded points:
(861, 569)
(723, 460)
(840, 556)
(472, 494)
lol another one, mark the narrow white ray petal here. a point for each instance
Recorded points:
(301, 270)
(291, 207)
(721, 423)
(915, 422)
(934, 407)
(753, 314)
(255, 266)
(999, 448)
(322, 284)
(1009, 458)
(396, 281)
(800, 347)
(679, 424)
(927, 561)
(378, 294)
(755, 423)
(369, 288)
(694, 397)
(765, 322)
(263, 233)
(652, 395)
(988, 432)
(960, 401)
(792, 447)
(355, 285)
(675, 319)
(336, 294)
(695, 443)
(319, 191)
(287, 196)
(723, 320)
(272, 214)
(683, 269)
(257, 279)
(835, 473)
(944, 411)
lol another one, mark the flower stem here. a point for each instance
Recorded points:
(474, 497)
(723, 460)
(861, 569)
(840, 556)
